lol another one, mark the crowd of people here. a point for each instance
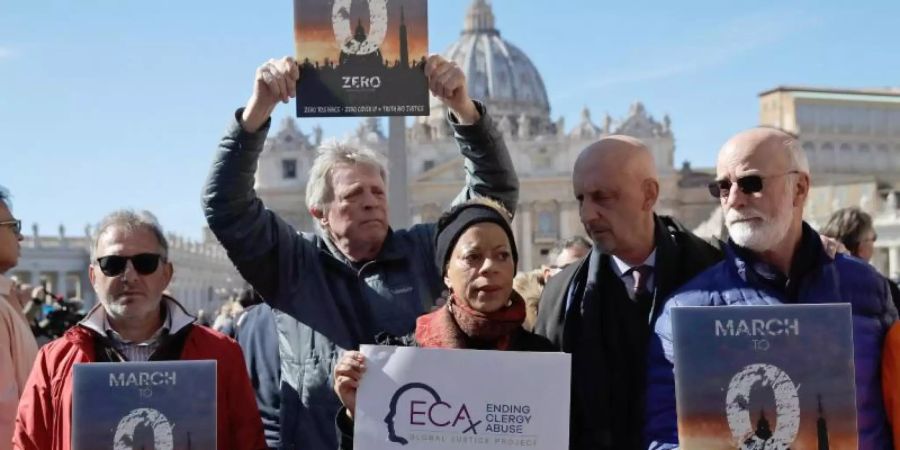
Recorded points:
(317, 296)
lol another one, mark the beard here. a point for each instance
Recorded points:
(761, 232)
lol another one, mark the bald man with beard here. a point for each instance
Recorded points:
(773, 257)
(601, 310)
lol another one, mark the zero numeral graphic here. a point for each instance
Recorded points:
(787, 407)
(155, 420)
(343, 34)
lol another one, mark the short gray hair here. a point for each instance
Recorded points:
(319, 191)
(6, 197)
(130, 220)
(799, 161)
(565, 244)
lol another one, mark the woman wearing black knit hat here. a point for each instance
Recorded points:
(475, 248)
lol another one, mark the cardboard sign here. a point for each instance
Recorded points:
(164, 405)
(774, 377)
(415, 398)
(361, 58)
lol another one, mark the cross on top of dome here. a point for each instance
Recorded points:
(480, 18)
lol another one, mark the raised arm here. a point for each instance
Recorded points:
(258, 242)
(489, 168)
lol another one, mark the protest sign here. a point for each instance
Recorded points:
(774, 377)
(415, 398)
(363, 58)
(164, 405)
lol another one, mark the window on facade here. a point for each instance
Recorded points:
(289, 169)
(805, 117)
(861, 120)
(546, 224)
(543, 161)
(844, 120)
(894, 121)
(884, 158)
(427, 165)
(824, 118)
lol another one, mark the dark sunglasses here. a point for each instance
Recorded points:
(16, 225)
(144, 263)
(749, 184)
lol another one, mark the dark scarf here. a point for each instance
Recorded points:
(456, 325)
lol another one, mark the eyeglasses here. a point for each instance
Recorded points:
(143, 263)
(749, 184)
(16, 225)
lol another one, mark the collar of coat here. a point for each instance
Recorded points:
(177, 317)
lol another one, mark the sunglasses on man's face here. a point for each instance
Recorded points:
(749, 184)
(15, 224)
(143, 263)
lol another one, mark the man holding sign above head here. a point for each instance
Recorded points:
(354, 277)
(134, 321)
(773, 257)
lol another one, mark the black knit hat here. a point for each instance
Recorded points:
(455, 222)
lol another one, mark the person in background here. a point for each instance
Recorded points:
(17, 345)
(565, 253)
(355, 276)
(530, 285)
(133, 321)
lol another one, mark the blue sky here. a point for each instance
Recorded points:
(120, 103)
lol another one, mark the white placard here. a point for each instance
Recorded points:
(415, 398)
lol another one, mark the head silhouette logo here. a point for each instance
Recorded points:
(433, 413)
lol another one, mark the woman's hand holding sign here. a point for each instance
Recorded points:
(347, 374)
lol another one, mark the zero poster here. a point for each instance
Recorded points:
(765, 377)
(361, 57)
(166, 405)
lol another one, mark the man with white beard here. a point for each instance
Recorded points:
(774, 257)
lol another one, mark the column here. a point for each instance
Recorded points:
(516, 225)
(398, 182)
(62, 285)
(526, 241)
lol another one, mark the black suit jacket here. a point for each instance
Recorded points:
(680, 255)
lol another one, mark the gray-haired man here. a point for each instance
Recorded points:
(134, 321)
(355, 277)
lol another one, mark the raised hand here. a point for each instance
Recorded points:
(275, 81)
(447, 82)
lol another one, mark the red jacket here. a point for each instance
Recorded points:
(44, 420)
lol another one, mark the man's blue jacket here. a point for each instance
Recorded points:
(815, 277)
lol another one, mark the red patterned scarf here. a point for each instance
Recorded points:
(456, 325)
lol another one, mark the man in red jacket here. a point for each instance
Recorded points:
(133, 322)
